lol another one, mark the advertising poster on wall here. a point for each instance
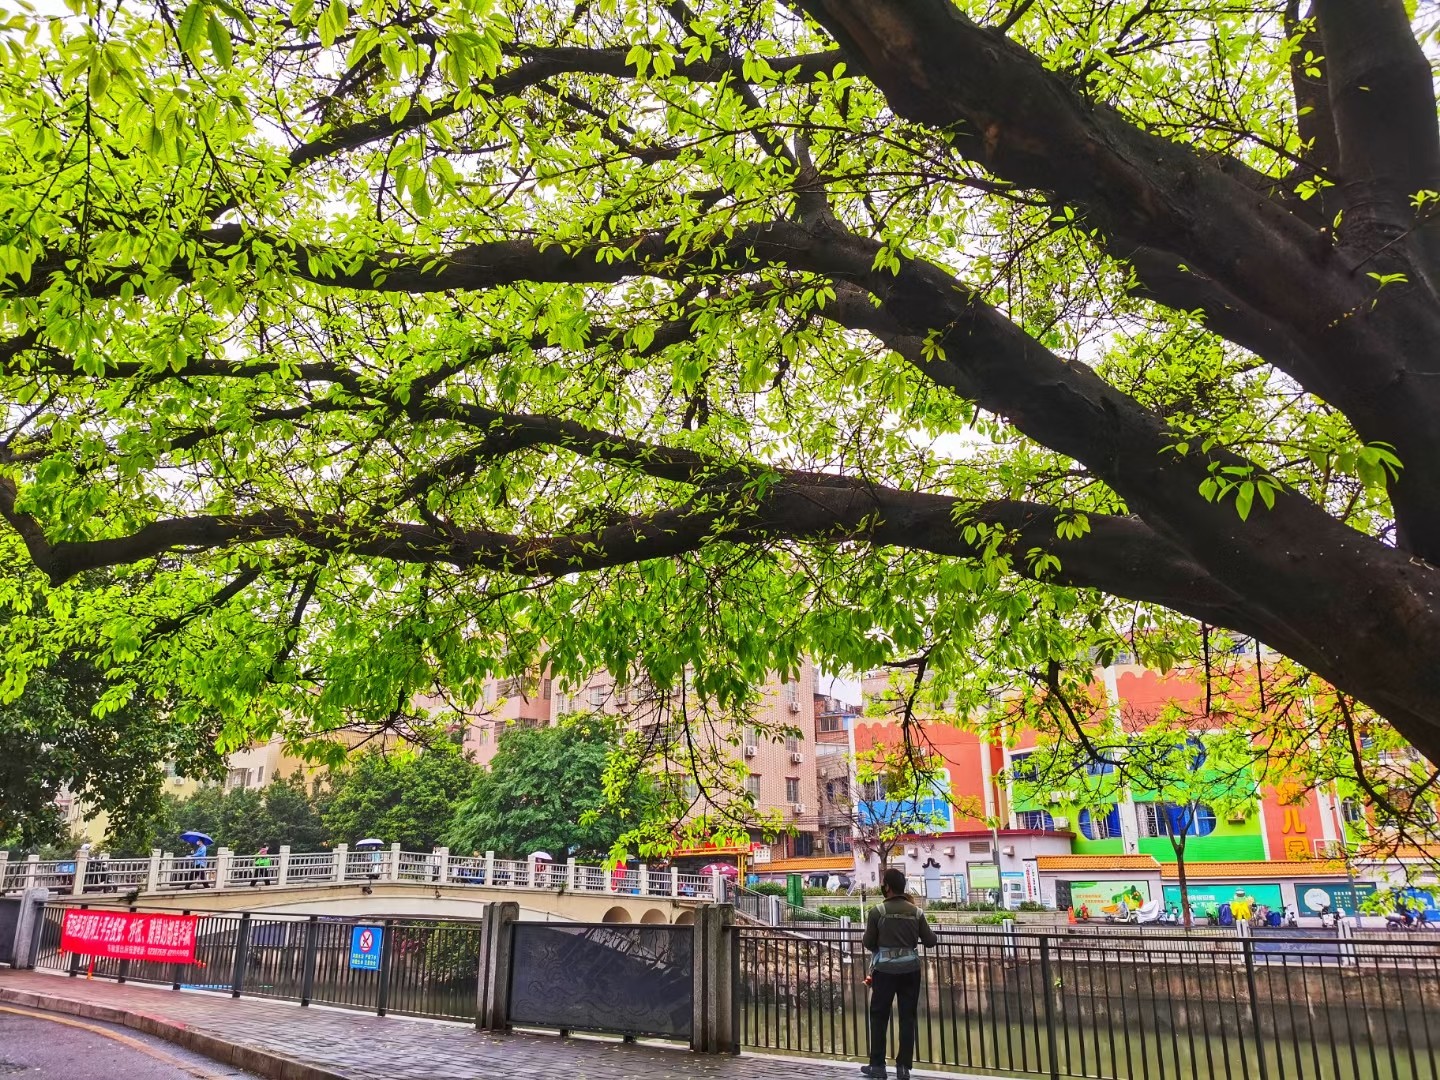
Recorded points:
(1105, 897)
(1315, 898)
(1207, 896)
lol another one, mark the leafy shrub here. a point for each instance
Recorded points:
(841, 911)
(770, 888)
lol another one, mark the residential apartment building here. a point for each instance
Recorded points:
(1296, 830)
(784, 741)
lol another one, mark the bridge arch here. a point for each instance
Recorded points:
(653, 916)
(685, 918)
(617, 914)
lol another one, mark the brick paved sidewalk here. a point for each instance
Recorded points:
(340, 1045)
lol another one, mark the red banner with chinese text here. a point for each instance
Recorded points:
(126, 935)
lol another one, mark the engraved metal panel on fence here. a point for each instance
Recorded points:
(629, 980)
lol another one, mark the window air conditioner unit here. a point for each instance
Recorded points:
(914, 853)
(749, 751)
(1061, 822)
(794, 706)
(796, 757)
(1008, 849)
(948, 852)
(798, 807)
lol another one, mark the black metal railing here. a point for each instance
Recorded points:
(424, 968)
(1118, 1006)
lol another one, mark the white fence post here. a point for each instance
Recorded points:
(223, 857)
(282, 873)
(4, 862)
(340, 857)
(32, 870)
(393, 871)
(167, 870)
(716, 896)
(82, 860)
(490, 869)
(442, 865)
(152, 874)
(674, 882)
(644, 872)
(570, 874)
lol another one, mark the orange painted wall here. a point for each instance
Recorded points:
(961, 752)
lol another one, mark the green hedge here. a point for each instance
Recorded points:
(841, 911)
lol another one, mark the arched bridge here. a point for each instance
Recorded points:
(386, 881)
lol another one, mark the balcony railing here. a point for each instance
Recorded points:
(225, 870)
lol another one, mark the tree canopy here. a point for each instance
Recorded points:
(405, 799)
(385, 345)
(285, 811)
(545, 791)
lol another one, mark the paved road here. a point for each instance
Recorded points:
(40, 1046)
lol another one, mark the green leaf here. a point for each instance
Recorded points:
(1244, 497)
(191, 30)
(219, 36)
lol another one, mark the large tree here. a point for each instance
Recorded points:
(391, 345)
(545, 791)
(399, 797)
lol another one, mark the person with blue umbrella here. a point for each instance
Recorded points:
(199, 857)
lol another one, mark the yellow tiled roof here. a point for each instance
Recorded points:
(816, 864)
(1096, 862)
(1300, 868)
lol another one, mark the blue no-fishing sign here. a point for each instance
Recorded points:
(365, 947)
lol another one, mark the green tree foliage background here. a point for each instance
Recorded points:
(545, 791)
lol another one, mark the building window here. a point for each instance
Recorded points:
(1352, 811)
(260, 775)
(1036, 820)
(752, 786)
(1099, 768)
(622, 695)
(792, 789)
(597, 696)
(833, 722)
(792, 743)
(754, 737)
(1019, 768)
(1167, 819)
(545, 689)
(837, 841)
(979, 847)
(1100, 824)
(834, 790)
(692, 789)
(792, 693)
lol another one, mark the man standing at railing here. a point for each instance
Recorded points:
(894, 931)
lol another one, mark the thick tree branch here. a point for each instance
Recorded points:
(537, 65)
(1313, 116)
(1383, 103)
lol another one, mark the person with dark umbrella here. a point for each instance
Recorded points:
(894, 932)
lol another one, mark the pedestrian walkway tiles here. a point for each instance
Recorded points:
(365, 1047)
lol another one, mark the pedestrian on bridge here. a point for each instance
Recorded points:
(894, 931)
